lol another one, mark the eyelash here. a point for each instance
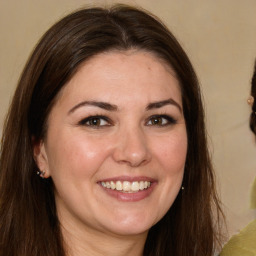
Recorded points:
(165, 119)
(169, 120)
(84, 122)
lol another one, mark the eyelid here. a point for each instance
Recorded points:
(170, 120)
(87, 119)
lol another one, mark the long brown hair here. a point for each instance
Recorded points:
(28, 221)
(253, 94)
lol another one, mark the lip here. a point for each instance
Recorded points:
(129, 197)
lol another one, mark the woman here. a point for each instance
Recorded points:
(108, 113)
(243, 243)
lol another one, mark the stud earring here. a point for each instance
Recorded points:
(41, 173)
(182, 188)
(250, 100)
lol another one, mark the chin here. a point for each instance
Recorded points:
(130, 227)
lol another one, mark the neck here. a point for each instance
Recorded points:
(97, 243)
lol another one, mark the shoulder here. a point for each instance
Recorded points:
(242, 244)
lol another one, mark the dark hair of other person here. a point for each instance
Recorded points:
(28, 220)
(252, 102)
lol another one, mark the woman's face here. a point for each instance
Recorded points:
(116, 144)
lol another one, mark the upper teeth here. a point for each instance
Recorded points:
(126, 186)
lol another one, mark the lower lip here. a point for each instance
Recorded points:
(130, 197)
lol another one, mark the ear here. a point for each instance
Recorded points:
(40, 157)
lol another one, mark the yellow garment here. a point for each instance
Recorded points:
(253, 195)
(242, 244)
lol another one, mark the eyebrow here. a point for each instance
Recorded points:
(111, 107)
(99, 104)
(163, 103)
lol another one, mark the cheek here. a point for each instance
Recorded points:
(171, 153)
(75, 156)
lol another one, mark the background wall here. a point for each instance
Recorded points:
(220, 38)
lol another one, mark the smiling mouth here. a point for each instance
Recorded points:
(126, 186)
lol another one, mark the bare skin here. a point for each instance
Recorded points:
(115, 149)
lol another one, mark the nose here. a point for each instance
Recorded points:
(132, 148)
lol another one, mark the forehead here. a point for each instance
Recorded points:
(148, 59)
(129, 73)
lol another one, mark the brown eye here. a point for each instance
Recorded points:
(157, 121)
(161, 120)
(95, 121)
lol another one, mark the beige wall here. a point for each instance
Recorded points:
(220, 38)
